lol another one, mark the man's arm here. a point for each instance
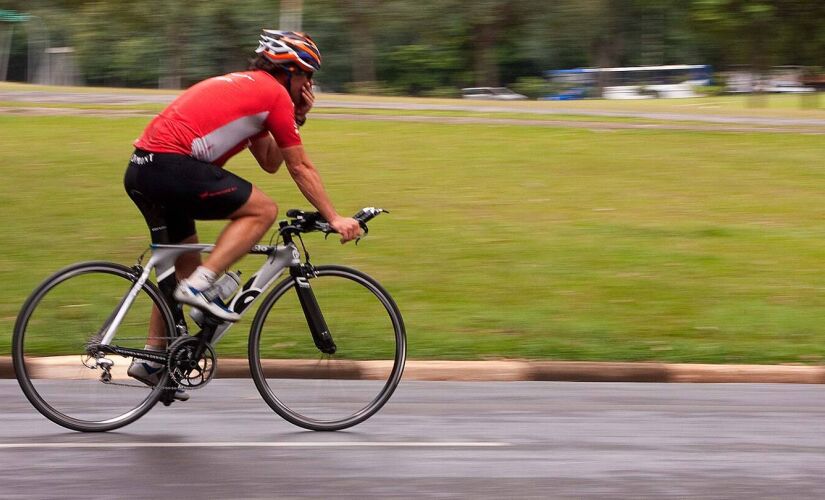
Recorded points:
(267, 152)
(310, 184)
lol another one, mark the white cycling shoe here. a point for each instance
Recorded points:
(186, 294)
(149, 373)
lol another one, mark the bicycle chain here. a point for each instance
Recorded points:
(144, 386)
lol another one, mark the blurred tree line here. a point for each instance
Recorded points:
(423, 47)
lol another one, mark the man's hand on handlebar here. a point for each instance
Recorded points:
(347, 227)
(350, 228)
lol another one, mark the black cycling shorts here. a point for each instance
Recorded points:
(173, 190)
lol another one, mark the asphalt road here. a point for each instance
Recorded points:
(440, 439)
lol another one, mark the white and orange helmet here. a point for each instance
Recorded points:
(289, 47)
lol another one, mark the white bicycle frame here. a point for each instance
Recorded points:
(163, 258)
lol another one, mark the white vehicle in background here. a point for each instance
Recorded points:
(781, 79)
(661, 91)
(788, 88)
(674, 91)
(787, 80)
(624, 92)
(636, 82)
(491, 93)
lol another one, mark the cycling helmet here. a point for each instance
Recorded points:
(289, 47)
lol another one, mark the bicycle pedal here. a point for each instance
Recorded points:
(167, 397)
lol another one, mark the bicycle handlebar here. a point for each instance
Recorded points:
(307, 222)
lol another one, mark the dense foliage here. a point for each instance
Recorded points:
(426, 47)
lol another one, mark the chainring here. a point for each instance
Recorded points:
(187, 368)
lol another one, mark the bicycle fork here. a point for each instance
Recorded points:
(312, 312)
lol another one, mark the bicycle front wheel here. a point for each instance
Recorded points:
(328, 392)
(65, 314)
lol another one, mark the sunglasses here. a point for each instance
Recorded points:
(300, 72)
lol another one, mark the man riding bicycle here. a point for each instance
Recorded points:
(176, 173)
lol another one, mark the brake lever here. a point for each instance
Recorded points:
(327, 233)
(325, 228)
(366, 231)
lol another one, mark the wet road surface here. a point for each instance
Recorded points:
(440, 439)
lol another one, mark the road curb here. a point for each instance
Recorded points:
(583, 371)
(6, 367)
(510, 370)
(773, 374)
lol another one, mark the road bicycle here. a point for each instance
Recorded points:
(326, 347)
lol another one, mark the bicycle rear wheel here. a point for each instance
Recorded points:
(61, 317)
(325, 392)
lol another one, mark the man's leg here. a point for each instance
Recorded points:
(184, 266)
(247, 226)
(149, 372)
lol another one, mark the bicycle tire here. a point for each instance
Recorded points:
(50, 391)
(341, 377)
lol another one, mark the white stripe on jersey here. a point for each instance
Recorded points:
(214, 144)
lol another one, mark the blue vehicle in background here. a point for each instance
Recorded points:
(573, 84)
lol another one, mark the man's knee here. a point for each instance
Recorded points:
(259, 206)
(269, 211)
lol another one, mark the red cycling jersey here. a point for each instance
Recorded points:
(216, 118)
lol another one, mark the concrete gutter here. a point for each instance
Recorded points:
(475, 371)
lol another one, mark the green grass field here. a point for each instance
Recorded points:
(503, 241)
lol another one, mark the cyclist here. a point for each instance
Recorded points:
(176, 173)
